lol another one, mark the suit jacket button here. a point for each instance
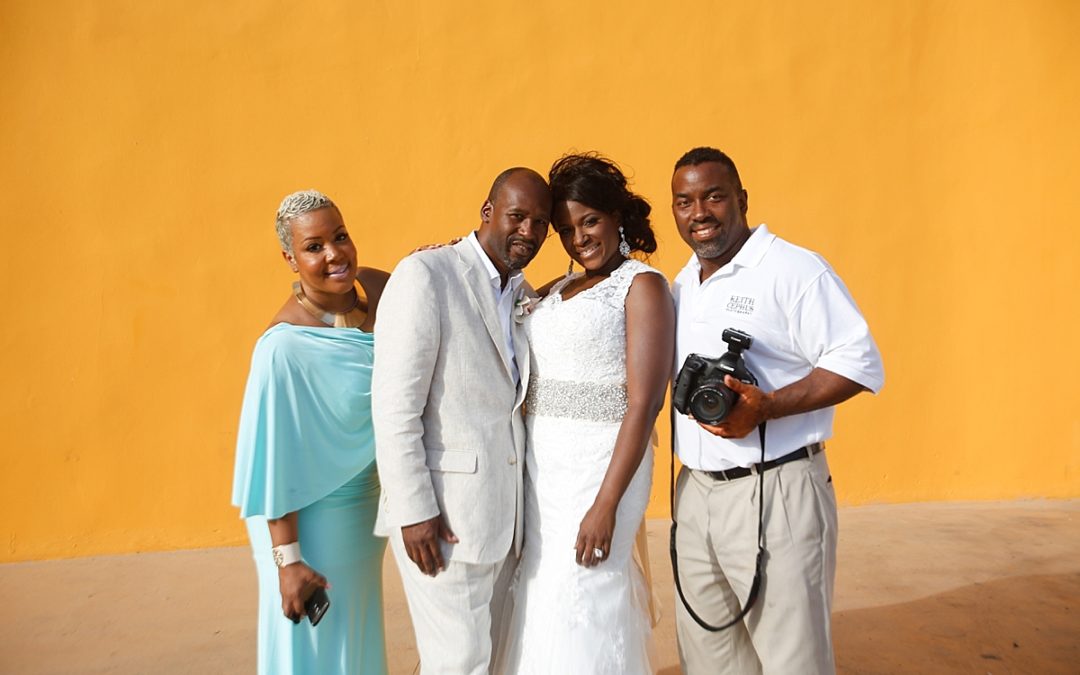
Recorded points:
(512, 460)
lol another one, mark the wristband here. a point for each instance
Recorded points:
(286, 554)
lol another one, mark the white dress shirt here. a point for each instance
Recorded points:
(800, 316)
(504, 300)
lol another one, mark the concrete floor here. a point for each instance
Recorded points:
(924, 588)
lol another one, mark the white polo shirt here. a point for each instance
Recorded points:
(800, 315)
(504, 300)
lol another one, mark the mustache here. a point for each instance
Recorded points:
(518, 239)
(706, 221)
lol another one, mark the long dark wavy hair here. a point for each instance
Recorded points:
(597, 182)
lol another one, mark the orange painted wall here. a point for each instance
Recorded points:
(928, 149)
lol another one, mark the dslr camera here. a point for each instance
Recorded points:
(699, 387)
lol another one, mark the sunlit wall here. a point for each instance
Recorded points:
(928, 149)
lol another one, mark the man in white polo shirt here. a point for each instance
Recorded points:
(811, 350)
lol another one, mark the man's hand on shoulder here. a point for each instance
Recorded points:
(753, 407)
(422, 543)
(432, 247)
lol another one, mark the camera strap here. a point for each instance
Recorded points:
(758, 564)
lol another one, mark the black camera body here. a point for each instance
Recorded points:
(699, 387)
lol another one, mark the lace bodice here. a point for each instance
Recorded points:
(583, 339)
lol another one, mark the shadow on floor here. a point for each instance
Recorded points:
(1013, 625)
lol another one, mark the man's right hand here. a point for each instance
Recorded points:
(422, 543)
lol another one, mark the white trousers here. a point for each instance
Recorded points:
(459, 614)
(788, 630)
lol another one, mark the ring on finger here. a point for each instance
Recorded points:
(598, 553)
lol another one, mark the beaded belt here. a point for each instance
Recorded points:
(576, 400)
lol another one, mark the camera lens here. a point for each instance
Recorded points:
(711, 404)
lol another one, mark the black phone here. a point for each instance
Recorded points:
(316, 606)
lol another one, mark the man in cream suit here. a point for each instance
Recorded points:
(451, 365)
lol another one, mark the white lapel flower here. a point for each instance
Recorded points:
(524, 306)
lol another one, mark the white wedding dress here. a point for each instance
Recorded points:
(569, 619)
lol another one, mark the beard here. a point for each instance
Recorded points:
(725, 242)
(515, 261)
(714, 248)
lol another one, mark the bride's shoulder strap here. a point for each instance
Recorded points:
(624, 276)
(557, 285)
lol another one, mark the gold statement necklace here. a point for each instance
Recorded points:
(350, 318)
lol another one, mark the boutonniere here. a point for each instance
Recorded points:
(523, 307)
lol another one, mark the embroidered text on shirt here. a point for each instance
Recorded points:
(740, 304)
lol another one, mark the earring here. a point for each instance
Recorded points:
(624, 248)
(570, 269)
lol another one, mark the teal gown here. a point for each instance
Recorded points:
(306, 444)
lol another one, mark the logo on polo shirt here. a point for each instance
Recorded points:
(741, 304)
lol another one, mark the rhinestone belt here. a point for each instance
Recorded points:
(576, 400)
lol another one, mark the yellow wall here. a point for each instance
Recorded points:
(928, 149)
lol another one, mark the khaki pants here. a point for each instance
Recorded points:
(788, 630)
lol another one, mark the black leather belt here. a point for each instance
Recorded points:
(805, 452)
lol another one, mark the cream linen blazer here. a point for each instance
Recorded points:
(449, 433)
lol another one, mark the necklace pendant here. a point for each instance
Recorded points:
(351, 318)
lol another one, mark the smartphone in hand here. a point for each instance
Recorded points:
(316, 606)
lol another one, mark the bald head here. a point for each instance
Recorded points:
(518, 172)
(514, 219)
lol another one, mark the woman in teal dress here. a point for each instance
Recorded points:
(305, 476)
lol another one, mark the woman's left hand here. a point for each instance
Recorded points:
(594, 536)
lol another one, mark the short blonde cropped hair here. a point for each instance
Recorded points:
(294, 205)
